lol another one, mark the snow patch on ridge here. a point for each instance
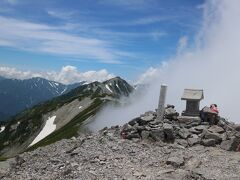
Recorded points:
(50, 84)
(2, 129)
(47, 129)
(118, 87)
(108, 88)
(63, 90)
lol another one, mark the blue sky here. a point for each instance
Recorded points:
(125, 37)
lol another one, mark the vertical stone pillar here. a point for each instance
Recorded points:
(161, 103)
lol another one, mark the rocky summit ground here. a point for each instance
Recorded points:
(141, 149)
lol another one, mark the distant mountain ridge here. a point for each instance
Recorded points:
(64, 115)
(17, 95)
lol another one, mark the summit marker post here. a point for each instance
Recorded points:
(161, 103)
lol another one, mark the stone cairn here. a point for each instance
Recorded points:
(183, 130)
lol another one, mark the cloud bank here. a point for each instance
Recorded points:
(211, 63)
(67, 75)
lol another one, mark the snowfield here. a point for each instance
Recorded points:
(47, 129)
(2, 129)
(108, 88)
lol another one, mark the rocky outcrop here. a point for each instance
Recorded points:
(144, 148)
(190, 130)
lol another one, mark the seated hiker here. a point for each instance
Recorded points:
(214, 108)
(210, 114)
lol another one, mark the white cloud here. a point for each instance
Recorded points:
(133, 4)
(12, 2)
(148, 76)
(67, 75)
(139, 21)
(65, 15)
(49, 39)
(70, 74)
(156, 35)
(182, 44)
(211, 64)
(151, 20)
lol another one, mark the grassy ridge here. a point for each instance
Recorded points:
(70, 129)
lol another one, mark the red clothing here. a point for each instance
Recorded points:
(214, 109)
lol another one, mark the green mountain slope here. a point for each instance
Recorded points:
(69, 110)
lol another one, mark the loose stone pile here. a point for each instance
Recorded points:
(177, 148)
(184, 130)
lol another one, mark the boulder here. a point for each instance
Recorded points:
(237, 127)
(133, 121)
(205, 123)
(189, 120)
(192, 125)
(184, 133)
(231, 144)
(131, 136)
(157, 135)
(148, 117)
(193, 141)
(224, 136)
(168, 130)
(175, 161)
(194, 131)
(208, 142)
(216, 129)
(171, 113)
(145, 134)
(127, 127)
(201, 127)
(217, 137)
(182, 142)
(194, 136)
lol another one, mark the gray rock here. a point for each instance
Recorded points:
(230, 145)
(73, 138)
(175, 161)
(157, 135)
(237, 134)
(182, 142)
(167, 121)
(217, 137)
(194, 131)
(189, 119)
(201, 127)
(184, 133)
(147, 118)
(132, 136)
(171, 113)
(168, 130)
(127, 127)
(193, 141)
(237, 127)
(192, 125)
(224, 136)
(101, 157)
(145, 134)
(205, 123)
(194, 136)
(208, 142)
(216, 129)
(132, 122)
(19, 160)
